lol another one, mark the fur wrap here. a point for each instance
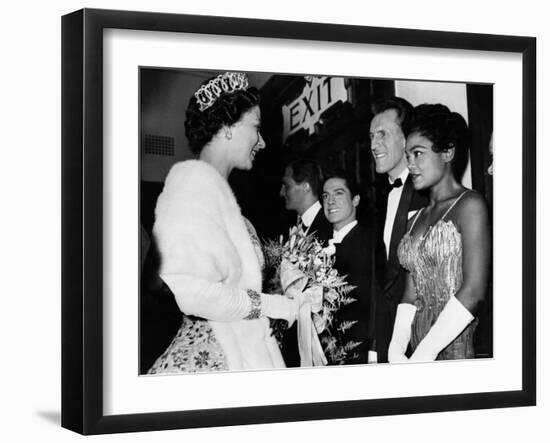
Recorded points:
(208, 261)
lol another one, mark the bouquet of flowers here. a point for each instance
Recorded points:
(301, 267)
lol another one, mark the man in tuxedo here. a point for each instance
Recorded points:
(396, 202)
(354, 249)
(300, 189)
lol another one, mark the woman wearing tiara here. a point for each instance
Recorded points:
(211, 258)
(446, 249)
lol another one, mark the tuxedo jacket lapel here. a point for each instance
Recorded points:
(411, 200)
(344, 248)
(322, 227)
(393, 275)
(399, 229)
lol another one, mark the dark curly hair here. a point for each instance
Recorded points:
(446, 130)
(201, 126)
(349, 180)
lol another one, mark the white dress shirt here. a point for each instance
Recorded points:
(338, 236)
(393, 204)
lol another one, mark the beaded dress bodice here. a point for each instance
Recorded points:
(434, 260)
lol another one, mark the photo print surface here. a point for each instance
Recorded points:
(307, 220)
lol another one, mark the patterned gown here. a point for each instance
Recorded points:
(435, 263)
(195, 348)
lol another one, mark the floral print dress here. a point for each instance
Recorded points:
(195, 348)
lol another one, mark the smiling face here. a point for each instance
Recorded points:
(426, 166)
(388, 144)
(246, 139)
(339, 205)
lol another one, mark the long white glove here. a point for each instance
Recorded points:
(451, 322)
(372, 357)
(220, 302)
(279, 306)
(401, 333)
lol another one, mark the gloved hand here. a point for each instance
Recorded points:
(279, 306)
(401, 333)
(452, 320)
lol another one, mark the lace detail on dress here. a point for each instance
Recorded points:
(194, 349)
(255, 242)
(435, 263)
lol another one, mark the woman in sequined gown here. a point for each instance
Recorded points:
(211, 258)
(446, 249)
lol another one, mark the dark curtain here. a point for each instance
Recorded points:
(480, 113)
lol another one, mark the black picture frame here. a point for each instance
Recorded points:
(82, 218)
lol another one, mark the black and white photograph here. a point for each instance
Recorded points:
(310, 220)
(273, 221)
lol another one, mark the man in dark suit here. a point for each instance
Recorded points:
(300, 188)
(396, 202)
(301, 185)
(354, 248)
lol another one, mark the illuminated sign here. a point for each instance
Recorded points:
(319, 94)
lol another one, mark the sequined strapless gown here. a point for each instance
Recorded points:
(435, 263)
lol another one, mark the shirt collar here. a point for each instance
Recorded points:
(403, 176)
(339, 235)
(311, 213)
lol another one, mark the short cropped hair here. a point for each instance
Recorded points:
(309, 171)
(402, 108)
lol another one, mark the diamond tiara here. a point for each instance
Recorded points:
(223, 84)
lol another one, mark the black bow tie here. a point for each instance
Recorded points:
(396, 184)
(387, 186)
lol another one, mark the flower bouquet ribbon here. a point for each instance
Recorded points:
(294, 282)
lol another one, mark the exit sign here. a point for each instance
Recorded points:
(319, 94)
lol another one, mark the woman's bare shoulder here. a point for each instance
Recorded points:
(471, 206)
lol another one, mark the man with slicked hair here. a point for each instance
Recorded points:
(353, 257)
(300, 188)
